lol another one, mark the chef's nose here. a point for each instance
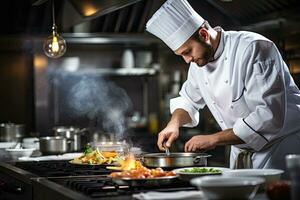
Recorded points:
(187, 59)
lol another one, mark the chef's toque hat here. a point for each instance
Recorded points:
(174, 23)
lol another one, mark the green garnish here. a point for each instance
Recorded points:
(201, 170)
(87, 149)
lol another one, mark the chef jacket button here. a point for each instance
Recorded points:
(221, 121)
(225, 58)
(231, 107)
(226, 81)
(214, 103)
(206, 83)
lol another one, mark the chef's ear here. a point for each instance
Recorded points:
(203, 33)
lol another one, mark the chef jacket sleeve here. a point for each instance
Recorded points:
(190, 98)
(264, 94)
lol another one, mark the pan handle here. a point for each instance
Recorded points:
(200, 160)
(197, 159)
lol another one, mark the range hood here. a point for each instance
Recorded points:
(95, 8)
(79, 11)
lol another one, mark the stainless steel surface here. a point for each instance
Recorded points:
(118, 71)
(167, 149)
(175, 159)
(94, 38)
(15, 183)
(53, 145)
(100, 7)
(46, 188)
(145, 181)
(75, 136)
(10, 132)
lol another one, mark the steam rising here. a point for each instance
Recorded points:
(102, 102)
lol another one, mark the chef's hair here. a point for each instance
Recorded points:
(205, 25)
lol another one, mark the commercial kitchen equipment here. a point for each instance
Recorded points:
(47, 180)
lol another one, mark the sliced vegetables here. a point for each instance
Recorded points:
(96, 157)
(198, 170)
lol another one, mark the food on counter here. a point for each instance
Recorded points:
(199, 170)
(141, 172)
(96, 157)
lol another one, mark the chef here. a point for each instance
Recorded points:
(241, 77)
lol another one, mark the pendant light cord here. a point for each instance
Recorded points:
(53, 14)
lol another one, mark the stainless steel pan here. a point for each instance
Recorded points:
(174, 159)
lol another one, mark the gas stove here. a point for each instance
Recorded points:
(61, 180)
(61, 168)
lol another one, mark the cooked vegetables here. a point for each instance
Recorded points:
(97, 157)
(201, 170)
(88, 149)
(141, 172)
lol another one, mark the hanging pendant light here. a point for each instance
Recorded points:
(55, 45)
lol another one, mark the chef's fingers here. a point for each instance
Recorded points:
(170, 140)
(160, 140)
(190, 147)
(186, 146)
(194, 148)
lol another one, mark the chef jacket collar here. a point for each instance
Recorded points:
(220, 47)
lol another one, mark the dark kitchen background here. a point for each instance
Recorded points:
(115, 78)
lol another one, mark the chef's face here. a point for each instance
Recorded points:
(197, 49)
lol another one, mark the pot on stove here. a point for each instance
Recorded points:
(53, 145)
(75, 136)
(10, 132)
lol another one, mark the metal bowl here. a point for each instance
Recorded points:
(174, 160)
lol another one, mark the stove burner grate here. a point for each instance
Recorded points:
(61, 168)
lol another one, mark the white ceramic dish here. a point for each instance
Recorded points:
(5, 145)
(221, 187)
(187, 176)
(269, 175)
(31, 142)
(18, 153)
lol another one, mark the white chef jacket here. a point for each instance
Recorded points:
(247, 87)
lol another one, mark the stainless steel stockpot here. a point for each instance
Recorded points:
(53, 145)
(174, 159)
(75, 136)
(10, 132)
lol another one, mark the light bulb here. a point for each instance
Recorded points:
(54, 46)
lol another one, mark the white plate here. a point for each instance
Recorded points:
(268, 174)
(221, 187)
(187, 176)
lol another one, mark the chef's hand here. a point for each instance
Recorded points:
(201, 143)
(168, 135)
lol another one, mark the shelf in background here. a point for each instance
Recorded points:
(118, 71)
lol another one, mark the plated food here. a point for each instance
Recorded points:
(141, 172)
(205, 170)
(97, 157)
(191, 172)
(142, 176)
